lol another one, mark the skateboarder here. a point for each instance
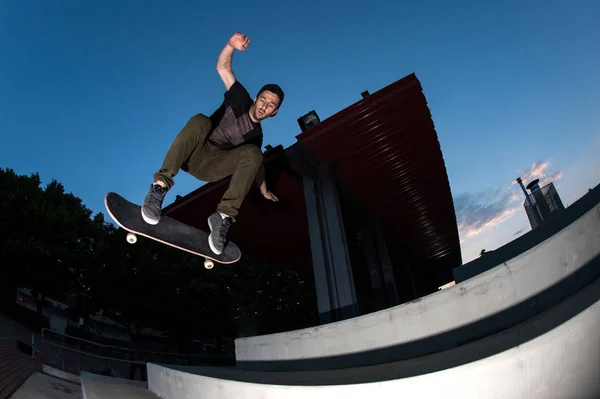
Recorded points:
(228, 143)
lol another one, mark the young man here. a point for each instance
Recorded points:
(228, 143)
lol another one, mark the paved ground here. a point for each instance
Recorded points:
(15, 367)
(100, 387)
(44, 386)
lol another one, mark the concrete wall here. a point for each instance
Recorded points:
(505, 295)
(555, 354)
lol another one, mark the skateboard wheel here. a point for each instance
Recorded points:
(208, 264)
(131, 238)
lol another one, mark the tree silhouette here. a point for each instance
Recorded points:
(51, 243)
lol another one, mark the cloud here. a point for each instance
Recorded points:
(476, 212)
(538, 171)
(484, 210)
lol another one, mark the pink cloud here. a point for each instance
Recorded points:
(538, 170)
(473, 229)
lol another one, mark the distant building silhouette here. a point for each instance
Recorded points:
(542, 203)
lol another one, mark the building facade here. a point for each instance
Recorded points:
(365, 205)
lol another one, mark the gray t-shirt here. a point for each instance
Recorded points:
(231, 124)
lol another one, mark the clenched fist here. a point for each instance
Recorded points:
(239, 41)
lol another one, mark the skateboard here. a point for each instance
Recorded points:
(168, 231)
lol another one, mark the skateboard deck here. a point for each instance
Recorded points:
(168, 231)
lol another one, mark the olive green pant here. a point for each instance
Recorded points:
(194, 154)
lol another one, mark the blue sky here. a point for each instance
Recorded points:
(94, 92)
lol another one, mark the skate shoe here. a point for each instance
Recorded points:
(151, 208)
(218, 232)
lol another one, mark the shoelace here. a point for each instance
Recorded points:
(154, 198)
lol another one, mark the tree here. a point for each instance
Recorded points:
(90, 270)
(18, 196)
(266, 298)
(51, 243)
(46, 235)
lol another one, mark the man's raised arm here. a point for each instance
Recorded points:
(237, 42)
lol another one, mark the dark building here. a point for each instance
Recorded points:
(365, 205)
(543, 202)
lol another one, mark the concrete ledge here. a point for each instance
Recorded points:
(490, 302)
(556, 354)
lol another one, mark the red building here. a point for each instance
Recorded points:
(365, 205)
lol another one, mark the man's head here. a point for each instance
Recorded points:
(267, 102)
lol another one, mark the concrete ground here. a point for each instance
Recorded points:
(44, 386)
(100, 387)
(20, 375)
(15, 366)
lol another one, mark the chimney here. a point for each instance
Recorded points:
(534, 186)
(523, 188)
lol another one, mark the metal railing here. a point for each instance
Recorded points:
(73, 355)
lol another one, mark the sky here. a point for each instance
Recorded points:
(93, 93)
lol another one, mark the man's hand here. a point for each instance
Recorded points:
(239, 41)
(262, 184)
(269, 195)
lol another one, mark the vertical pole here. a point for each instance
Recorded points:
(338, 250)
(325, 301)
(334, 282)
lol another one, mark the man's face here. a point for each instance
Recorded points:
(265, 105)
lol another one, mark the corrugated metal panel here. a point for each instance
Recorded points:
(389, 157)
